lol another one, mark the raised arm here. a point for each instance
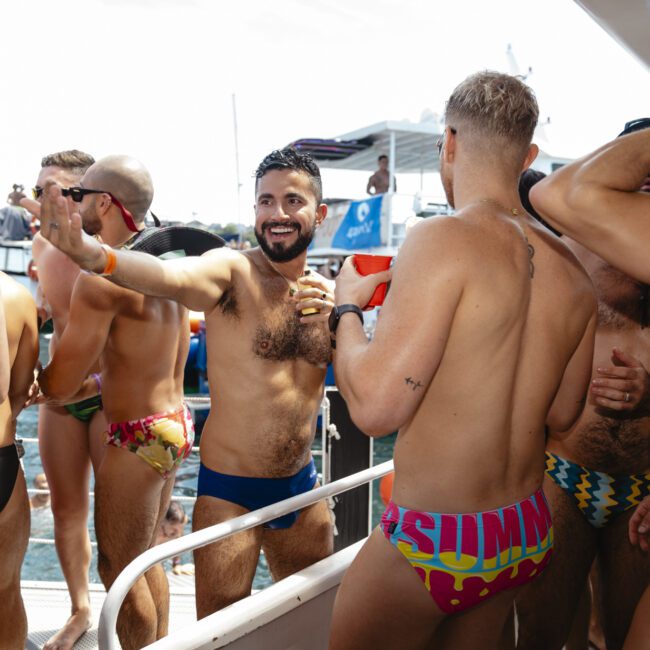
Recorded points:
(92, 310)
(596, 201)
(384, 381)
(196, 282)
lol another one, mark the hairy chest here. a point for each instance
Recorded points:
(277, 333)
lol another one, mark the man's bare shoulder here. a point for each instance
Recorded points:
(442, 232)
(20, 306)
(97, 292)
(568, 254)
(440, 242)
(13, 292)
(45, 254)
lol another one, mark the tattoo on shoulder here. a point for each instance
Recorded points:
(413, 384)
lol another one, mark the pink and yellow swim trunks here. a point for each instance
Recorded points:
(163, 441)
(462, 559)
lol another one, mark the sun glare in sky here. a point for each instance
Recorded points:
(155, 79)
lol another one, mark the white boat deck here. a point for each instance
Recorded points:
(48, 607)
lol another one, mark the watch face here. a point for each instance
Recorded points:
(333, 320)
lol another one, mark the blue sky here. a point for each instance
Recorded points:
(155, 79)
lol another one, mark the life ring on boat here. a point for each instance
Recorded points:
(32, 271)
(386, 488)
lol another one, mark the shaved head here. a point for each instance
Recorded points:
(127, 179)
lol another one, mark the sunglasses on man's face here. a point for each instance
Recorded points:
(37, 192)
(77, 194)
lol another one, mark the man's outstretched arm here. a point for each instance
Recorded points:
(596, 201)
(196, 282)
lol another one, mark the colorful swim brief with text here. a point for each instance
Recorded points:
(462, 559)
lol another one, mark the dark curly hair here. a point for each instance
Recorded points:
(289, 158)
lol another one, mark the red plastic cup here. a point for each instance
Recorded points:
(369, 264)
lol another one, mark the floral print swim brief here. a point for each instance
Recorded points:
(163, 440)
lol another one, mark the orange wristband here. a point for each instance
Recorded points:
(111, 261)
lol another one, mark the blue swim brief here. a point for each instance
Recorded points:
(254, 493)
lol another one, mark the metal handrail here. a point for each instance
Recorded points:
(137, 567)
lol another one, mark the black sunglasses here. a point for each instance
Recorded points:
(37, 192)
(77, 194)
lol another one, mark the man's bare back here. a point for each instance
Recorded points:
(116, 323)
(493, 387)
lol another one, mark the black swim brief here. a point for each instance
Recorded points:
(9, 465)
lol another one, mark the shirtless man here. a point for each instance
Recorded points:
(21, 334)
(486, 335)
(142, 345)
(69, 437)
(266, 365)
(378, 183)
(597, 201)
(596, 473)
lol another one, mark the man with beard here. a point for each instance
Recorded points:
(67, 466)
(485, 337)
(600, 469)
(266, 367)
(142, 344)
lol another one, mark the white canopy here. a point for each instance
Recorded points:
(414, 146)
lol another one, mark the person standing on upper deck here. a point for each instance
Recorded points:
(485, 337)
(379, 182)
(266, 364)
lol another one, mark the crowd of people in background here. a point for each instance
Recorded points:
(511, 356)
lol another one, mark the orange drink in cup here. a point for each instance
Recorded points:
(369, 264)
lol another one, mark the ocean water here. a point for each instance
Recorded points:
(41, 562)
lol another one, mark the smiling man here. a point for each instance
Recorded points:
(266, 364)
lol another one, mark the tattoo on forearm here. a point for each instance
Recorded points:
(413, 384)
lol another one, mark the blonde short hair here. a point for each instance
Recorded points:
(494, 104)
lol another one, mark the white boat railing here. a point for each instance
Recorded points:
(141, 564)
